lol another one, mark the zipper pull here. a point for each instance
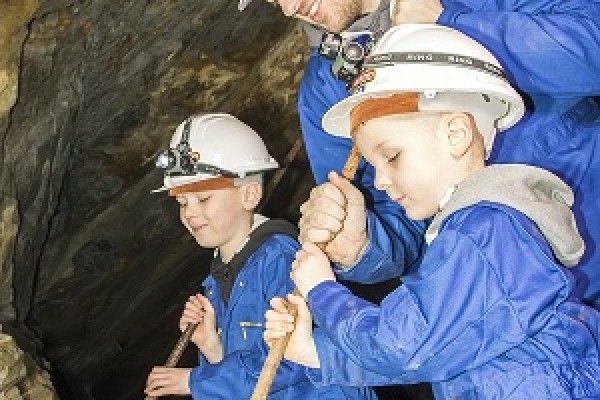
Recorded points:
(247, 324)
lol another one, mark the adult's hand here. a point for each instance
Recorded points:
(335, 214)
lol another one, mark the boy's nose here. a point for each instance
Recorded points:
(381, 181)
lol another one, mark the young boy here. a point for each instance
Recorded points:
(489, 312)
(214, 170)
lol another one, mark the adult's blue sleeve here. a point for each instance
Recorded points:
(482, 289)
(395, 246)
(548, 46)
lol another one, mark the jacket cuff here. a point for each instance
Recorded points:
(371, 256)
(317, 376)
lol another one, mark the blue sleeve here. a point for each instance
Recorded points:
(235, 376)
(548, 47)
(318, 91)
(395, 245)
(482, 289)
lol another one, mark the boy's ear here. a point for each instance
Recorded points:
(251, 194)
(459, 132)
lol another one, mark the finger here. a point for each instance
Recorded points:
(159, 391)
(303, 207)
(329, 205)
(333, 192)
(311, 249)
(192, 317)
(278, 305)
(192, 305)
(300, 255)
(295, 265)
(198, 312)
(351, 194)
(328, 202)
(301, 306)
(326, 190)
(206, 305)
(323, 220)
(317, 235)
(271, 335)
(279, 326)
(195, 298)
(275, 317)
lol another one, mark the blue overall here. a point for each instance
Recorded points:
(264, 275)
(487, 314)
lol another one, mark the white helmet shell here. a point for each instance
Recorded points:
(449, 70)
(242, 4)
(222, 141)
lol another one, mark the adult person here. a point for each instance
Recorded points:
(550, 50)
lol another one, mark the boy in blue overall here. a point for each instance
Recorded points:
(214, 170)
(489, 312)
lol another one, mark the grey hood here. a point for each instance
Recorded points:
(540, 195)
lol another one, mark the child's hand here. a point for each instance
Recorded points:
(198, 310)
(301, 347)
(310, 268)
(335, 214)
(164, 381)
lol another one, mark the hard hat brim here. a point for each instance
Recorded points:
(336, 120)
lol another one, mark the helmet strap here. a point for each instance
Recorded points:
(374, 108)
(200, 186)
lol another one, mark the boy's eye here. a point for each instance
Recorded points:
(181, 201)
(393, 158)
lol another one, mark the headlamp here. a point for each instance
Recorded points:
(347, 55)
(183, 161)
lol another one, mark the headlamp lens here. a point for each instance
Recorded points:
(354, 52)
(165, 160)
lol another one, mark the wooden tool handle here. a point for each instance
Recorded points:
(274, 357)
(177, 351)
(277, 350)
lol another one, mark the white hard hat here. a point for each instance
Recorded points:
(449, 71)
(209, 146)
(243, 4)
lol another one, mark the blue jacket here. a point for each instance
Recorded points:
(551, 50)
(486, 315)
(265, 274)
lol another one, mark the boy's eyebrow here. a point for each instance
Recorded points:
(379, 146)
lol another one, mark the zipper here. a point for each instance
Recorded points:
(247, 324)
